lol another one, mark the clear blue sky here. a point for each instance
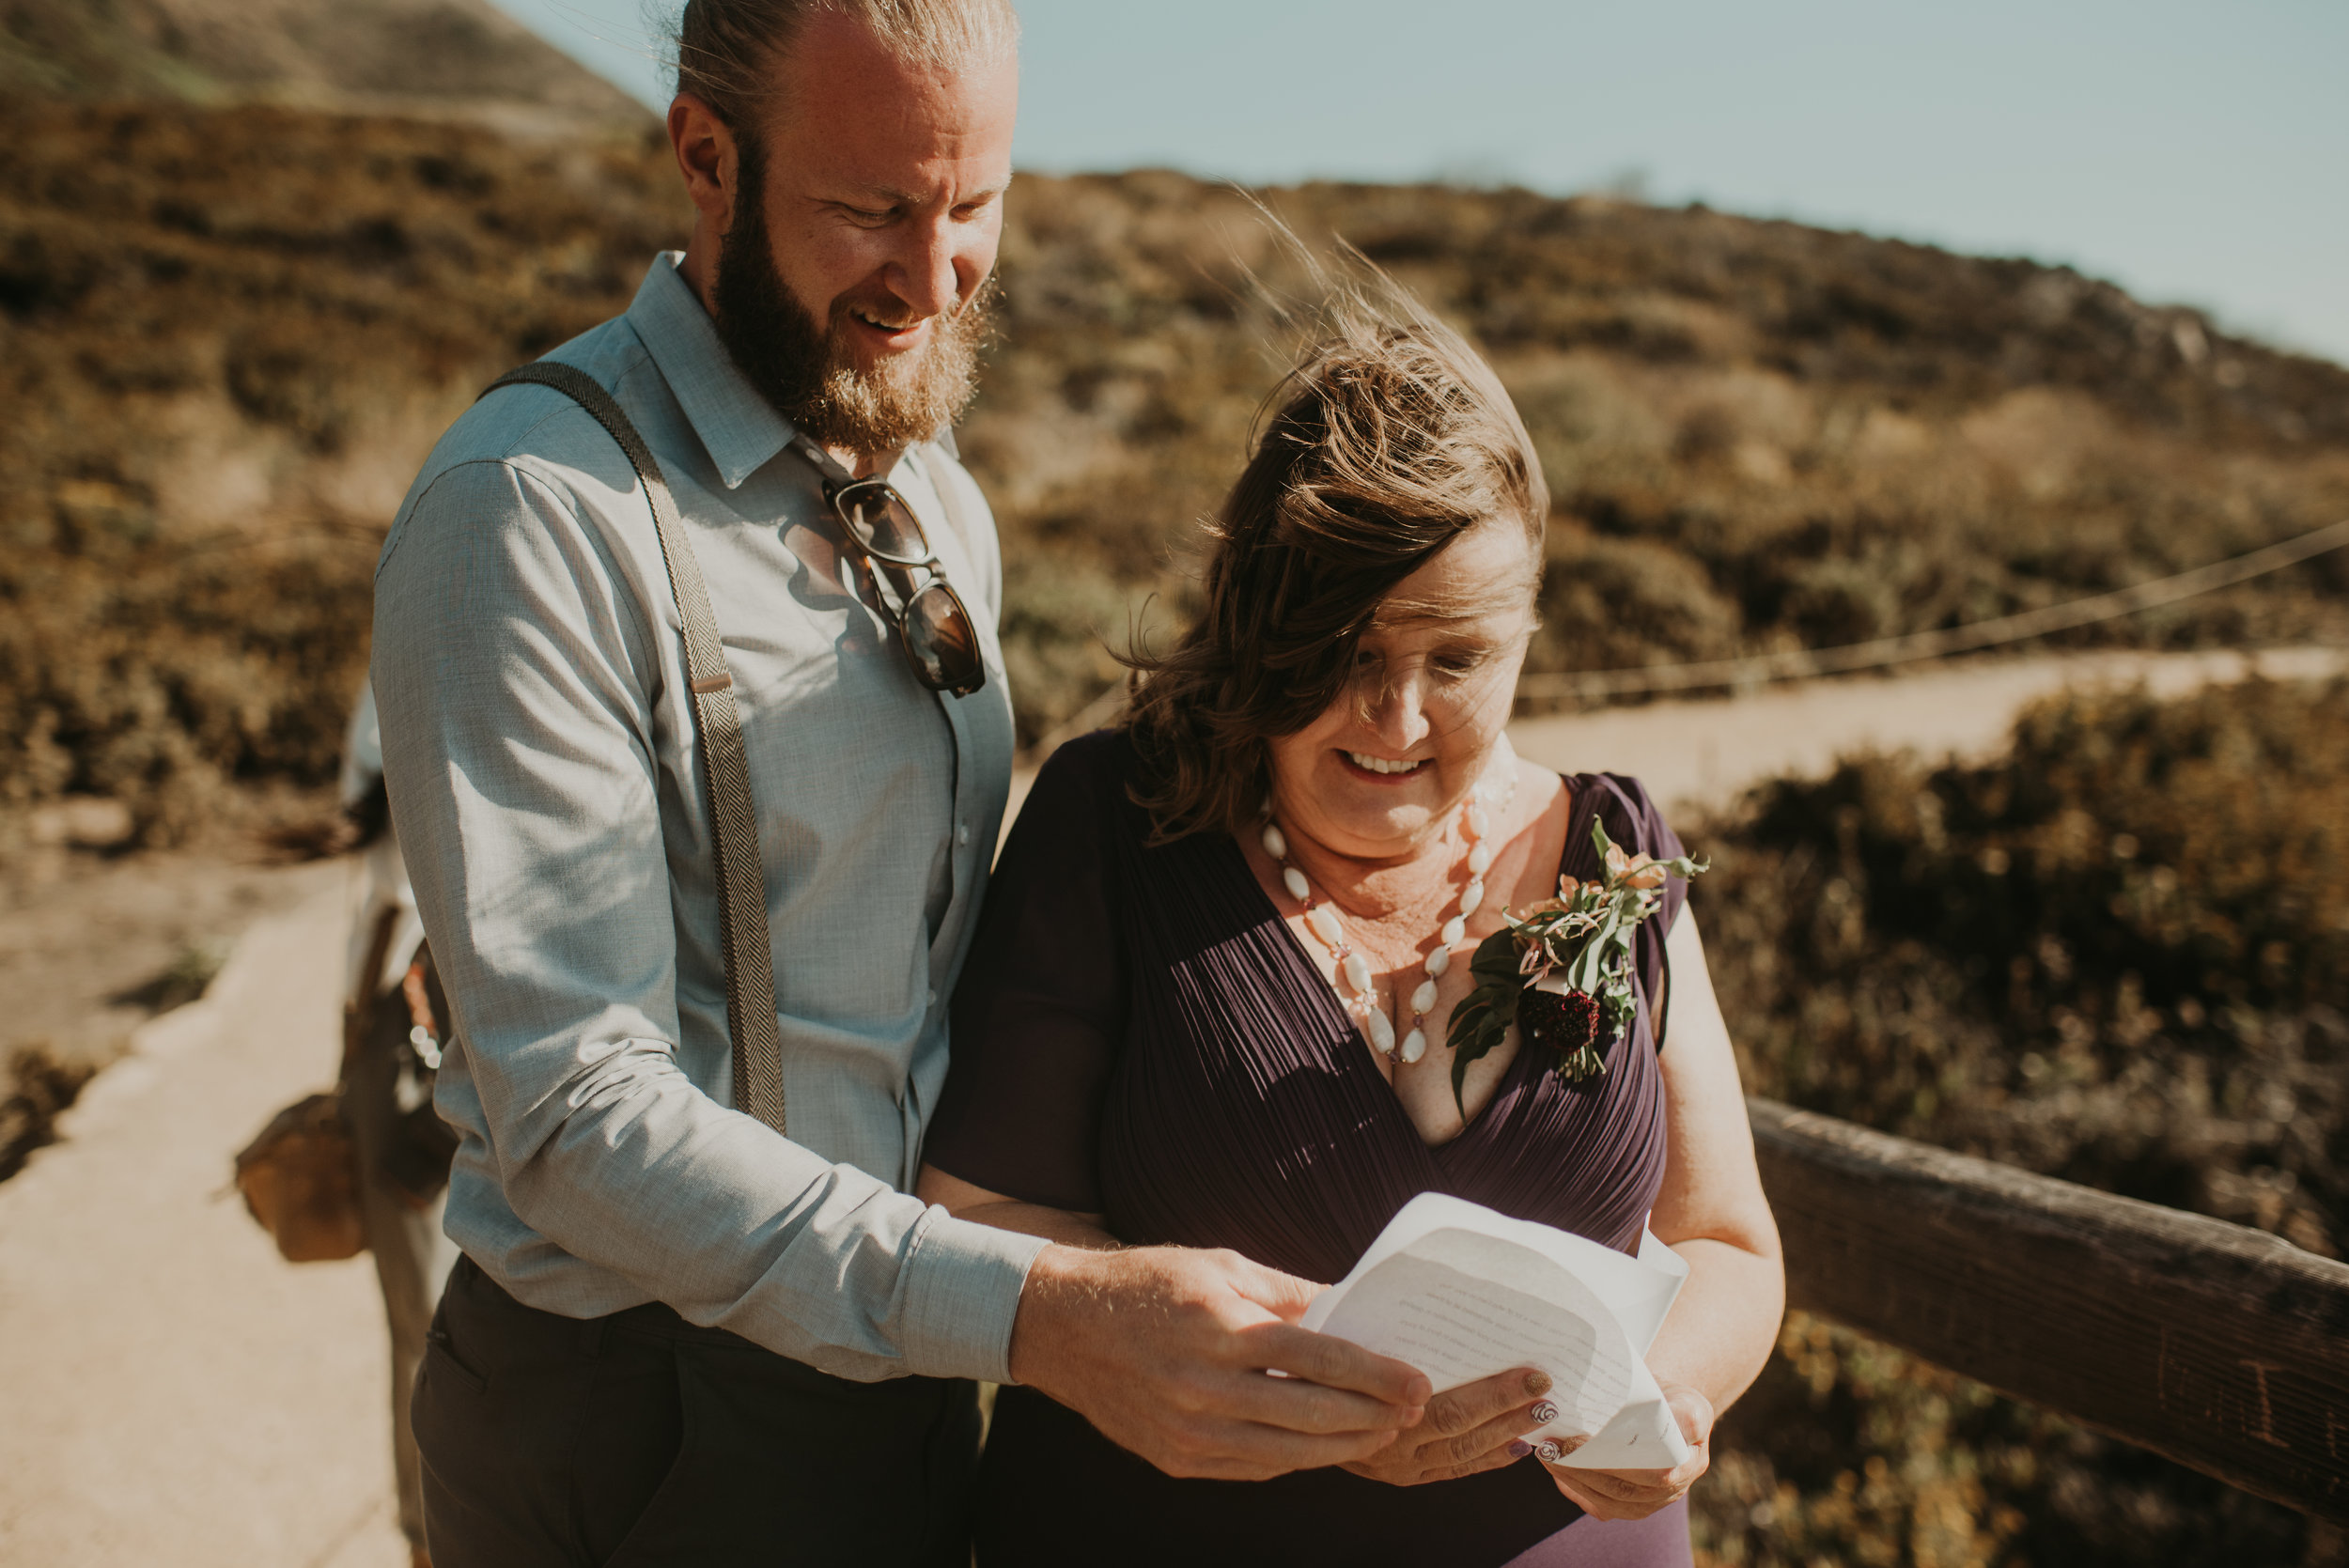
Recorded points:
(2194, 153)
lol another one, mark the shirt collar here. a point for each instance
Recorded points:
(740, 430)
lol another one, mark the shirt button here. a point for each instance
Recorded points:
(963, 835)
(933, 996)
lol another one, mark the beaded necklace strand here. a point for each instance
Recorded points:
(1321, 919)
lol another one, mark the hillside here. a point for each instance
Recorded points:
(1757, 435)
(227, 338)
(230, 333)
(457, 58)
(2118, 955)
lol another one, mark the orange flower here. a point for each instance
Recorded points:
(1645, 873)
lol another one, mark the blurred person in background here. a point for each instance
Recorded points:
(677, 1333)
(391, 1048)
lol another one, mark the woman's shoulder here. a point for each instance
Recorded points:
(1097, 766)
(1084, 784)
(1633, 816)
(1090, 784)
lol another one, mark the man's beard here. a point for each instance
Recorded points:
(808, 371)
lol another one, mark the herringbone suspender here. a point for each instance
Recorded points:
(725, 768)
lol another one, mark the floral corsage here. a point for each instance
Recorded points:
(1562, 970)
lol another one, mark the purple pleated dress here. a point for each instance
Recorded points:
(1138, 1035)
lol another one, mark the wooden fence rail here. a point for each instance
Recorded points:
(2226, 1349)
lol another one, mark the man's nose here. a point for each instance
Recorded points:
(927, 277)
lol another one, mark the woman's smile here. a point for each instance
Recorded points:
(1381, 770)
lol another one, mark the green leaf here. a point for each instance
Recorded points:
(1600, 839)
(1477, 1027)
(1584, 973)
(1496, 960)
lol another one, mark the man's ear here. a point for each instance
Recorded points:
(708, 157)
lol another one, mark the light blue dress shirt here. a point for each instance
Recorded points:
(539, 746)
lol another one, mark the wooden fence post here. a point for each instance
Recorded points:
(2224, 1348)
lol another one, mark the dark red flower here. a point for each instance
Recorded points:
(1561, 1022)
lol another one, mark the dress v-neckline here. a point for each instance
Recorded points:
(1353, 1047)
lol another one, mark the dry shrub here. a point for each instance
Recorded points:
(1621, 602)
(227, 339)
(1847, 1451)
(224, 326)
(2118, 955)
(37, 1088)
(1795, 438)
(160, 673)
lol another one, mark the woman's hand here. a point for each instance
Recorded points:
(1474, 1427)
(1637, 1494)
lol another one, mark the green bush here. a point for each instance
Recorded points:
(2118, 955)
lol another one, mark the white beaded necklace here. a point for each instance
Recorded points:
(1321, 919)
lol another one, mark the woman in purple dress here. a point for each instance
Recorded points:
(1207, 1002)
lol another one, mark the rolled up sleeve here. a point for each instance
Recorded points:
(517, 678)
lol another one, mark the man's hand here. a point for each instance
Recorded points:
(1637, 1494)
(1166, 1350)
(1474, 1427)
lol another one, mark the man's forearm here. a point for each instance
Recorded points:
(714, 1214)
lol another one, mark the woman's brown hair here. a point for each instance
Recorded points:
(1389, 440)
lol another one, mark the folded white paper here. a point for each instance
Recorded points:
(1462, 1292)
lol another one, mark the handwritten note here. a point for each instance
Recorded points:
(1461, 1293)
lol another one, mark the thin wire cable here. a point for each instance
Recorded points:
(1800, 663)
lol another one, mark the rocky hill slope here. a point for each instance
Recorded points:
(461, 59)
(229, 334)
(1757, 435)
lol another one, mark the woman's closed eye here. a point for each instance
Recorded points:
(1445, 666)
(1459, 664)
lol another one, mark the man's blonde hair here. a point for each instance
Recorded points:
(726, 49)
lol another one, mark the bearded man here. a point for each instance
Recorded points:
(681, 1332)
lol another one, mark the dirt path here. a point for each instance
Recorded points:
(91, 941)
(1707, 753)
(176, 1394)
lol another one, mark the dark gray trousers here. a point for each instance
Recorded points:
(637, 1439)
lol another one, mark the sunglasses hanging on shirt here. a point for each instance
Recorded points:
(936, 632)
(933, 626)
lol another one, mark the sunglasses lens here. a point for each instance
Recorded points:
(939, 634)
(882, 523)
